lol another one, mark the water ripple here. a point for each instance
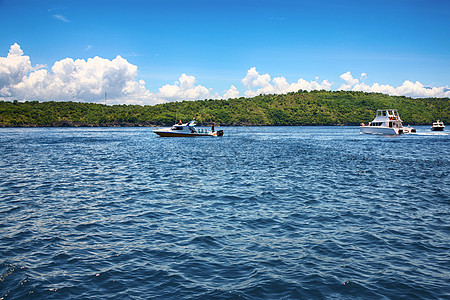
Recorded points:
(264, 212)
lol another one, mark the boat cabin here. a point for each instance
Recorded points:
(387, 121)
(392, 114)
(188, 129)
(184, 127)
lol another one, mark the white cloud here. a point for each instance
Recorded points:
(231, 93)
(13, 68)
(408, 88)
(81, 80)
(183, 89)
(350, 81)
(302, 84)
(251, 75)
(89, 80)
(61, 18)
(278, 85)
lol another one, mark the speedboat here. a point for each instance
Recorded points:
(438, 126)
(387, 121)
(186, 130)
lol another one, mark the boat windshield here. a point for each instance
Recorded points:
(387, 113)
(177, 128)
(381, 113)
(393, 113)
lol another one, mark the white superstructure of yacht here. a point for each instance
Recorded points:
(438, 126)
(387, 121)
(186, 130)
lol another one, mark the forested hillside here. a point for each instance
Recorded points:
(299, 108)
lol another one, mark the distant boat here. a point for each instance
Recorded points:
(387, 121)
(186, 130)
(438, 126)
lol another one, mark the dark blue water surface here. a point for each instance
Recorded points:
(262, 212)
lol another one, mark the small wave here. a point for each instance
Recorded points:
(13, 281)
(292, 212)
(261, 223)
(205, 241)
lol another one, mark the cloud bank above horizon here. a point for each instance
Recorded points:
(94, 79)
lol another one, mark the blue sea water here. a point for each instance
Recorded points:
(262, 212)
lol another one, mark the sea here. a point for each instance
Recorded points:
(260, 213)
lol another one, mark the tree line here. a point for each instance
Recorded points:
(296, 108)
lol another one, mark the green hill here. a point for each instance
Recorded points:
(299, 108)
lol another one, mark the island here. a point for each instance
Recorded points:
(322, 108)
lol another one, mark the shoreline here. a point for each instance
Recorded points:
(198, 125)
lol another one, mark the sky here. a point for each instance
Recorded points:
(157, 51)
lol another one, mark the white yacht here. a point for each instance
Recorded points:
(186, 130)
(438, 126)
(387, 121)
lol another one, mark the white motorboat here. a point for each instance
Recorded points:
(186, 130)
(438, 126)
(387, 121)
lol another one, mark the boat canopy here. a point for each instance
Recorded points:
(387, 113)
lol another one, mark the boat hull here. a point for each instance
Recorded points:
(176, 134)
(437, 128)
(179, 134)
(380, 130)
(186, 130)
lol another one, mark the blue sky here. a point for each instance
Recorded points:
(258, 46)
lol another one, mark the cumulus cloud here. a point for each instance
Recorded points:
(278, 85)
(408, 88)
(349, 81)
(69, 79)
(183, 89)
(231, 93)
(89, 80)
(13, 68)
(251, 75)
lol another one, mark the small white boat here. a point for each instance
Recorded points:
(438, 126)
(186, 130)
(387, 121)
